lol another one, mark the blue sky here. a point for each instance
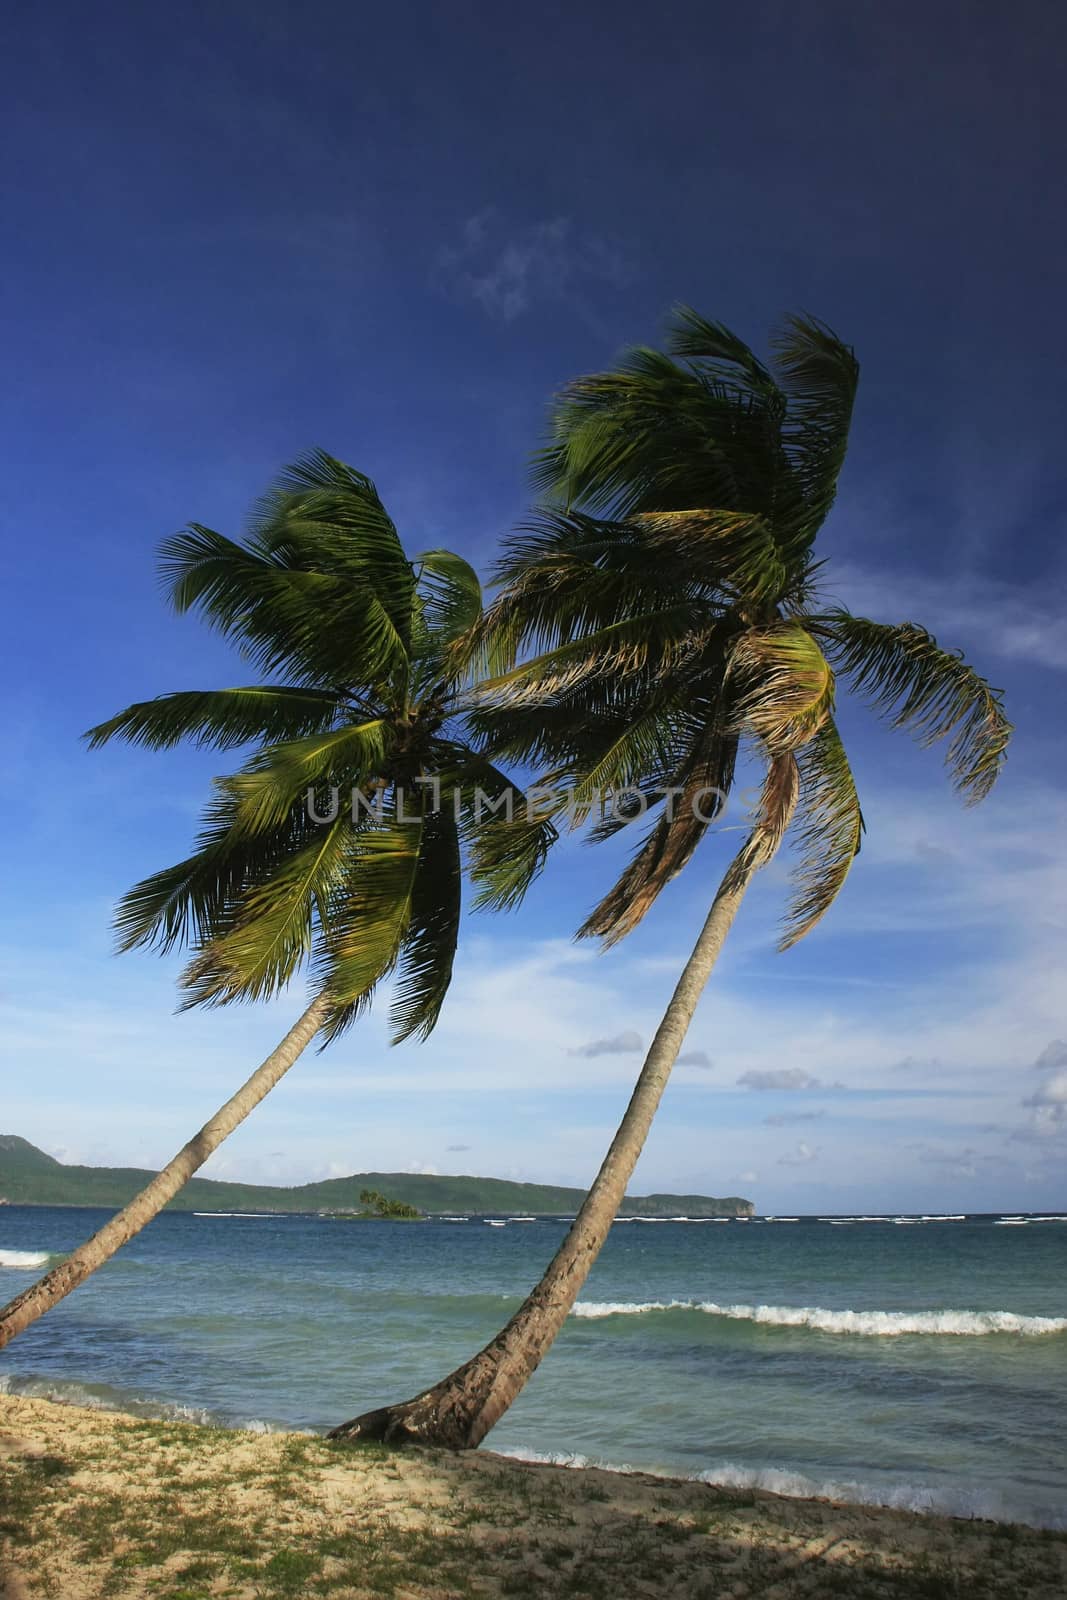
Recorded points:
(233, 232)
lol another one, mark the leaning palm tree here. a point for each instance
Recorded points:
(644, 641)
(285, 875)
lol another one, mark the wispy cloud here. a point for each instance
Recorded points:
(786, 1119)
(623, 1044)
(787, 1078)
(1017, 622)
(802, 1156)
(1051, 1097)
(507, 272)
(954, 1161)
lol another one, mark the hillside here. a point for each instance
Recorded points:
(30, 1177)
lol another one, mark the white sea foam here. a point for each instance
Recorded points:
(870, 1324)
(103, 1397)
(945, 1499)
(23, 1258)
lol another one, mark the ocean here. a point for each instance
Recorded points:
(919, 1365)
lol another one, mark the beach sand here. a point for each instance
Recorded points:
(93, 1504)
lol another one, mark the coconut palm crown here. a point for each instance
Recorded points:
(290, 870)
(668, 607)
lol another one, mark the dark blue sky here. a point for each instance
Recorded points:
(233, 231)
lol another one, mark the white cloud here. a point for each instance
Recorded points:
(695, 1058)
(506, 273)
(1050, 1103)
(787, 1078)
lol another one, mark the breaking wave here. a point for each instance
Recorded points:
(105, 1397)
(24, 1258)
(946, 1499)
(870, 1324)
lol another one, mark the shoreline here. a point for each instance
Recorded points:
(962, 1501)
(97, 1502)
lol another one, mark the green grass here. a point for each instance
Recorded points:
(203, 1514)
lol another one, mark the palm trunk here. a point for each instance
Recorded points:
(459, 1411)
(49, 1290)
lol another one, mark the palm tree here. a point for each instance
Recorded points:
(672, 622)
(284, 874)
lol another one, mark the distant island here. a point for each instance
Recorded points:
(30, 1177)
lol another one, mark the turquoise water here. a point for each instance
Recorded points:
(920, 1365)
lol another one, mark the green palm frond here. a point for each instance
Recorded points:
(636, 748)
(270, 931)
(451, 595)
(324, 628)
(733, 553)
(695, 338)
(186, 903)
(819, 376)
(424, 969)
(278, 777)
(829, 831)
(366, 917)
(508, 831)
(653, 639)
(321, 585)
(581, 726)
(330, 517)
(566, 574)
(903, 672)
(656, 436)
(219, 718)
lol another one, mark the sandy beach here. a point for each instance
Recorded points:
(96, 1504)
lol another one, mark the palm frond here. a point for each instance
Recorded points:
(567, 574)
(424, 969)
(731, 552)
(324, 628)
(829, 831)
(508, 831)
(773, 815)
(366, 917)
(451, 595)
(903, 673)
(276, 780)
(785, 685)
(650, 639)
(655, 436)
(219, 718)
(271, 926)
(692, 336)
(705, 781)
(327, 517)
(187, 903)
(819, 375)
